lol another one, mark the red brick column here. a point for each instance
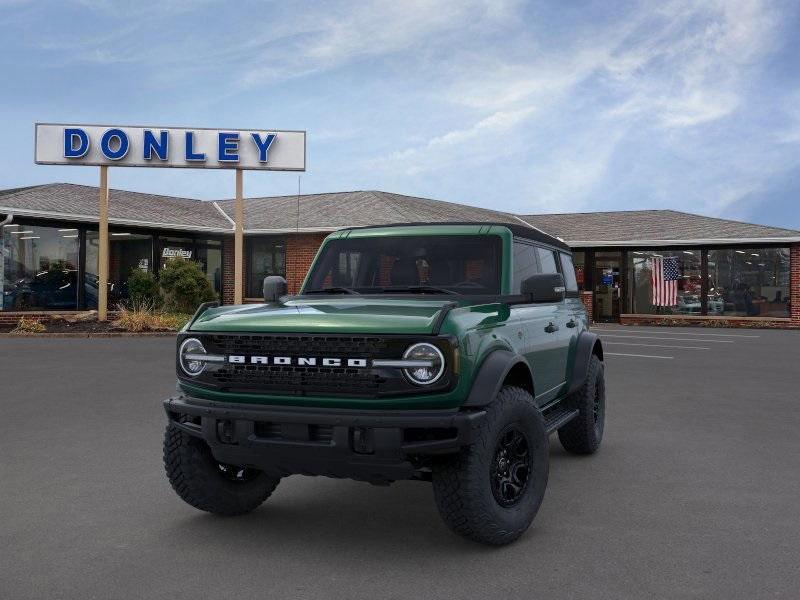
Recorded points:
(794, 284)
(301, 248)
(588, 301)
(227, 270)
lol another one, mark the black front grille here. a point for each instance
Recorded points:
(310, 380)
(300, 345)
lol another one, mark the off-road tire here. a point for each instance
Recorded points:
(584, 433)
(462, 483)
(200, 481)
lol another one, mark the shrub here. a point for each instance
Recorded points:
(143, 289)
(184, 286)
(27, 325)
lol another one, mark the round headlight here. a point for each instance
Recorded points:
(187, 356)
(431, 371)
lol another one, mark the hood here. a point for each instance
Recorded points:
(328, 315)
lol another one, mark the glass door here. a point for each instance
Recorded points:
(607, 286)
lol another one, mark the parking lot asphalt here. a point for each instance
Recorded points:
(694, 494)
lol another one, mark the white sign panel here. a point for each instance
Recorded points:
(189, 148)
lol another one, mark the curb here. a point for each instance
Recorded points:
(120, 334)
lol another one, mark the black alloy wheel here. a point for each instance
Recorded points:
(511, 466)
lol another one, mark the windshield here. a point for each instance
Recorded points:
(444, 264)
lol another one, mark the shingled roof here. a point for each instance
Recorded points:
(329, 212)
(661, 227)
(72, 202)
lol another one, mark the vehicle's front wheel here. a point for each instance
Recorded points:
(584, 433)
(491, 490)
(203, 482)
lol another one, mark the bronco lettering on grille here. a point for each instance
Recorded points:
(299, 361)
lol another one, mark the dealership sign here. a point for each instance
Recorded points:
(193, 148)
(176, 253)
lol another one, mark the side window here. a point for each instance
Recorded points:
(569, 273)
(547, 260)
(525, 264)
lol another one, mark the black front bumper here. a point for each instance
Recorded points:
(370, 445)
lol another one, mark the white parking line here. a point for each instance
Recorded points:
(736, 335)
(656, 345)
(636, 355)
(651, 337)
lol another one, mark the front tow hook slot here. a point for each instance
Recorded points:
(362, 441)
(226, 431)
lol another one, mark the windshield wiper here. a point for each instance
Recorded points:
(418, 289)
(332, 290)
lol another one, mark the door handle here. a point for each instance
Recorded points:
(571, 323)
(551, 328)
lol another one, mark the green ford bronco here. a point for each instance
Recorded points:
(443, 353)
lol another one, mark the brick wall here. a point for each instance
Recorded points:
(301, 248)
(709, 321)
(588, 301)
(794, 284)
(228, 266)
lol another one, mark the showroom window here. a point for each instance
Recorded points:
(176, 247)
(128, 252)
(748, 282)
(265, 256)
(205, 252)
(209, 255)
(665, 282)
(39, 267)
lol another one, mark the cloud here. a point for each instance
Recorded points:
(530, 106)
(465, 146)
(329, 39)
(566, 110)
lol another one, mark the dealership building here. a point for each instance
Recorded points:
(726, 272)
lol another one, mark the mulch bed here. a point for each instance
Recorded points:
(88, 328)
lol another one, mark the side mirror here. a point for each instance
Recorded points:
(274, 287)
(544, 287)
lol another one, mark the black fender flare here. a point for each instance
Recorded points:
(587, 343)
(491, 375)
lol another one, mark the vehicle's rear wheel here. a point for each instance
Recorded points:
(491, 490)
(584, 433)
(204, 483)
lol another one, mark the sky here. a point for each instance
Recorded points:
(526, 107)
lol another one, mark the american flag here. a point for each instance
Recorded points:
(664, 279)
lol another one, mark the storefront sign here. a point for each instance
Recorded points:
(176, 253)
(196, 148)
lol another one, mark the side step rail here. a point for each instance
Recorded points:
(559, 417)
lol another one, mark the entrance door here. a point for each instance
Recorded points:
(607, 286)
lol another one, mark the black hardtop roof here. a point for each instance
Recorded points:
(520, 231)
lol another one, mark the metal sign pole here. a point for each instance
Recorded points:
(238, 254)
(102, 256)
